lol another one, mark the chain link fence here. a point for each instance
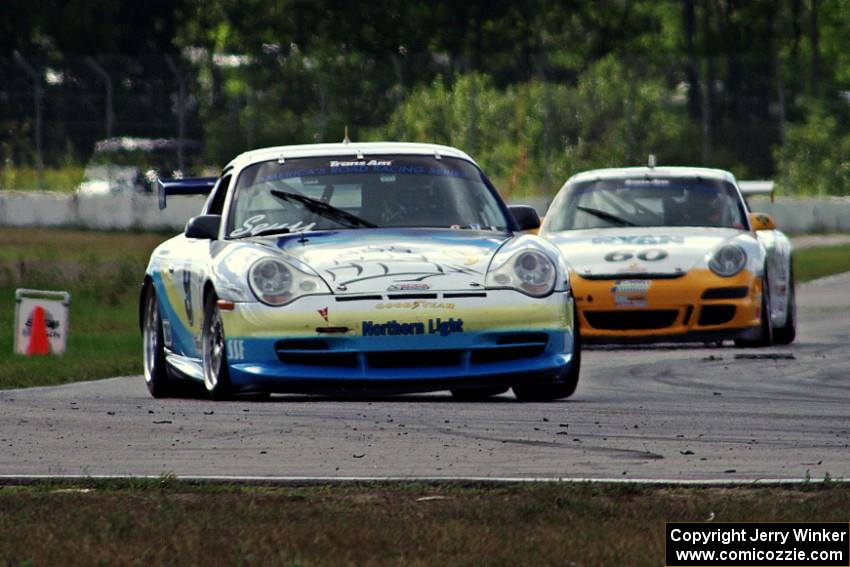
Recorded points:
(530, 121)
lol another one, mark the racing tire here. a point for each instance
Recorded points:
(214, 352)
(786, 334)
(562, 389)
(765, 337)
(476, 394)
(156, 375)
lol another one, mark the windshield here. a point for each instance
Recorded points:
(607, 203)
(378, 191)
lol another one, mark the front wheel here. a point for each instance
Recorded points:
(765, 337)
(214, 354)
(786, 334)
(153, 354)
(564, 388)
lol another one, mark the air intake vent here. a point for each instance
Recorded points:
(716, 314)
(414, 358)
(726, 292)
(631, 320)
(313, 352)
(346, 298)
(523, 338)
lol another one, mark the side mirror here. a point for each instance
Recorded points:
(761, 221)
(526, 217)
(204, 227)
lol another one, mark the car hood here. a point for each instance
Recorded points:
(395, 260)
(640, 251)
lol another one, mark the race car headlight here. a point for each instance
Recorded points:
(728, 260)
(275, 282)
(528, 271)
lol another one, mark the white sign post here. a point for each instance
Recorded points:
(55, 307)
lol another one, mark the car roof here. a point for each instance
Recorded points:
(631, 172)
(354, 149)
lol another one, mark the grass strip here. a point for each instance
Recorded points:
(169, 523)
(822, 261)
(102, 271)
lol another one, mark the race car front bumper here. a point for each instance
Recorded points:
(697, 306)
(404, 343)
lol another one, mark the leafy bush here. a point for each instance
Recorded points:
(816, 157)
(530, 137)
(25, 178)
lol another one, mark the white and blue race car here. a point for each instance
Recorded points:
(348, 268)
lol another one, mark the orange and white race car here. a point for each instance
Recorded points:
(672, 254)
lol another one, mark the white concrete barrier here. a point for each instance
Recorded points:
(796, 215)
(131, 211)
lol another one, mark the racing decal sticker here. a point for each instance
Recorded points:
(630, 293)
(394, 328)
(187, 294)
(645, 182)
(324, 313)
(370, 163)
(469, 257)
(417, 304)
(412, 286)
(651, 255)
(166, 333)
(633, 268)
(235, 349)
(371, 262)
(644, 240)
(254, 225)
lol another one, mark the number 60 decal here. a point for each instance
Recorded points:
(651, 255)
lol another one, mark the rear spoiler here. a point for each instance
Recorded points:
(184, 186)
(752, 188)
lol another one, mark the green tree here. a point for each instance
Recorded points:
(816, 157)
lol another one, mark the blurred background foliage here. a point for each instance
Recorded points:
(534, 90)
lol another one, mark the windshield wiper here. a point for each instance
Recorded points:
(271, 230)
(325, 210)
(606, 216)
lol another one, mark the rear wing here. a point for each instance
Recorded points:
(184, 186)
(753, 188)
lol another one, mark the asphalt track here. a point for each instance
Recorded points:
(663, 413)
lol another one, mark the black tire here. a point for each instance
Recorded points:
(156, 375)
(214, 352)
(562, 389)
(765, 337)
(786, 334)
(475, 394)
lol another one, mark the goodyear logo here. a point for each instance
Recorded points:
(431, 327)
(417, 304)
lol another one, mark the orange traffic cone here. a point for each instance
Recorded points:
(39, 344)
